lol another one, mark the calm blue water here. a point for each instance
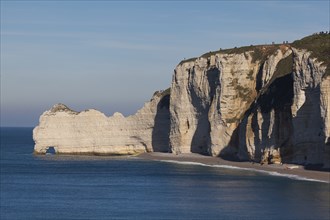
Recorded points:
(63, 187)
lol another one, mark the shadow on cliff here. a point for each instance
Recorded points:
(276, 129)
(160, 133)
(309, 137)
(201, 139)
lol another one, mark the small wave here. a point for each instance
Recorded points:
(272, 173)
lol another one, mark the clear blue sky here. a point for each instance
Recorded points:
(113, 55)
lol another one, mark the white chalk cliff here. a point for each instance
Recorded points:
(262, 103)
(91, 132)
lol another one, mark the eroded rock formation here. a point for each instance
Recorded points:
(265, 103)
(91, 132)
(270, 109)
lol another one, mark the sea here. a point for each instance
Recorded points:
(92, 187)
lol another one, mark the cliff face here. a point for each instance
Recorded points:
(266, 103)
(287, 122)
(91, 132)
(209, 97)
(271, 109)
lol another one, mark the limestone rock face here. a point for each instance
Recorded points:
(210, 95)
(325, 112)
(271, 110)
(91, 132)
(269, 104)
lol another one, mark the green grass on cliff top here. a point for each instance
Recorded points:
(318, 44)
(260, 52)
(163, 93)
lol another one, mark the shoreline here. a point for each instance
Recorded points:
(292, 171)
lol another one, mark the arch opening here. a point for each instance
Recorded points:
(51, 151)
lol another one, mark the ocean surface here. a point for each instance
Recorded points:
(86, 187)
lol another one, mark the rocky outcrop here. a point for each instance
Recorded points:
(271, 110)
(210, 97)
(268, 103)
(91, 132)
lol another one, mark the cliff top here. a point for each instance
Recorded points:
(61, 108)
(163, 93)
(318, 44)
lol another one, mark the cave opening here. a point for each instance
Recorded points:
(50, 151)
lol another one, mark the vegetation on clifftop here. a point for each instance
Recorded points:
(319, 45)
(61, 108)
(188, 60)
(163, 93)
(284, 67)
(259, 52)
